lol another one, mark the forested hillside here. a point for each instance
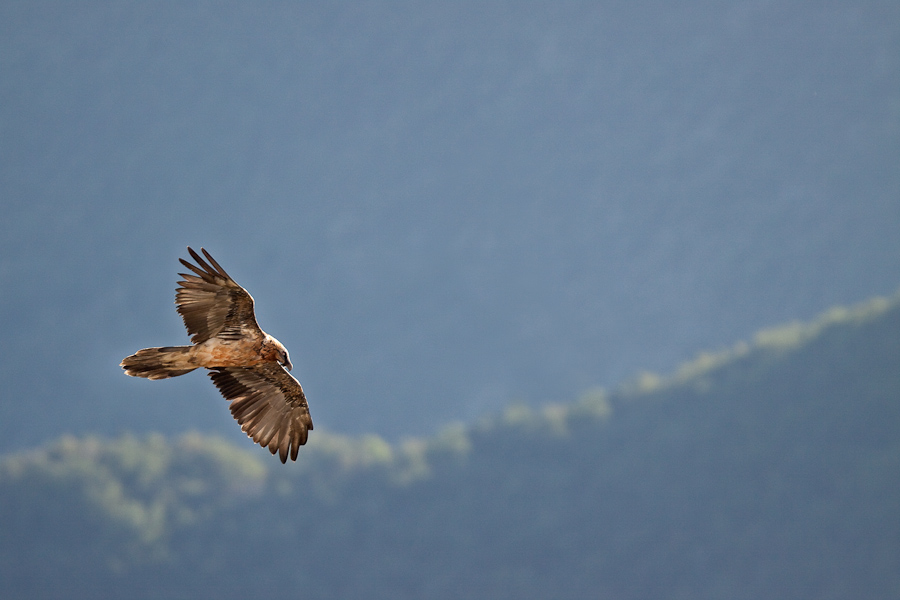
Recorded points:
(770, 470)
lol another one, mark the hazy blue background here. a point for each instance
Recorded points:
(438, 207)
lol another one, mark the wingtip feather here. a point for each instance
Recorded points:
(215, 264)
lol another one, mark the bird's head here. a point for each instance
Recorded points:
(281, 353)
(284, 358)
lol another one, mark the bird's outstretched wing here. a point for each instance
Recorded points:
(211, 303)
(269, 404)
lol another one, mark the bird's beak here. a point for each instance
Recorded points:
(287, 364)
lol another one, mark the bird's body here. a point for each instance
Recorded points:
(246, 364)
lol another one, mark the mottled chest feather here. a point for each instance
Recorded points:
(228, 353)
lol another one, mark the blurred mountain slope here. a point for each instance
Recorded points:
(543, 199)
(768, 470)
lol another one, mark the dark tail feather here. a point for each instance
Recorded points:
(159, 363)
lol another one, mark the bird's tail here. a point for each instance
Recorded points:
(159, 363)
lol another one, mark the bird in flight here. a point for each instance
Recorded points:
(248, 365)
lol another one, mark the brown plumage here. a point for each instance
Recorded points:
(246, 364)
